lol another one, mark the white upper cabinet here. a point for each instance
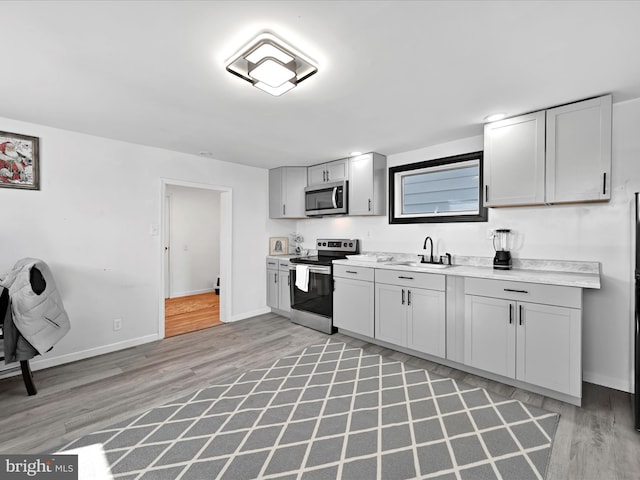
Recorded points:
(286, 192)
(560, 155)
(316, 175)
(367, 184)
(328, 172)
(579, 151)
(514, 161)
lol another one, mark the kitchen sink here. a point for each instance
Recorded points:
(426, 266)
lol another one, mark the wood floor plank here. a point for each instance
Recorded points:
(191, 313)
(596, 442)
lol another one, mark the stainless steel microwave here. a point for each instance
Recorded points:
(326, 199)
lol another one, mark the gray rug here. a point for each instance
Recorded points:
(333, 412)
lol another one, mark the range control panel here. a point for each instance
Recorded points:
(344, 245)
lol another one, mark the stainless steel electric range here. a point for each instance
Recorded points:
(312, 283)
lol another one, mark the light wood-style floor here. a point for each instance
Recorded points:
(191, 313)
(596, 442)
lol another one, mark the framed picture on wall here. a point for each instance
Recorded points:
(278, 245)
(19, 161)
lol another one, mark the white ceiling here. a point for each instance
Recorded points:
(393, 75)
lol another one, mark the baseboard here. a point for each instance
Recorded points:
(605, 381)
(254, 313)
(39, 364)
(192, 292)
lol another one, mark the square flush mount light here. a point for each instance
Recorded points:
(271, 65)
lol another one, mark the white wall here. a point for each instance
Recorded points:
(91, 222)
(590, 232)
(194, 240)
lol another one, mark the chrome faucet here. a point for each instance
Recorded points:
(424, 247)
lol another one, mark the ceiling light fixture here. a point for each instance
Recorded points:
(495, 117)
(271, 65)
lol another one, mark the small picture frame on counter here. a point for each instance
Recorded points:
(278, 245)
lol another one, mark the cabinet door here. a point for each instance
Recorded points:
(514, 161)
(284, 295)
(338, 170)
(272, 288)
(286, 192)
(316, 175)
(361, 185)
(579, 151)
(426, 321)
(295, 179)
(276, 203)
(353, 305)
(548, 346)
(490, 335)
(391, 314)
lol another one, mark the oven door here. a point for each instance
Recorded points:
(319, 297)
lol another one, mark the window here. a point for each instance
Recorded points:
(441, 190)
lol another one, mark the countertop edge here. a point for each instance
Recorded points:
(565, 279)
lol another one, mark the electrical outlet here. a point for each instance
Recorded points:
(117, 324)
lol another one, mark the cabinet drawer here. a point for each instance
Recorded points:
(272, 263)
(358, 273)
(431, 281)
(525, 292)
(283, 265)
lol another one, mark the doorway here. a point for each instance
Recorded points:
(196, 257)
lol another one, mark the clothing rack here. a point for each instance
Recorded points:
(27, 375)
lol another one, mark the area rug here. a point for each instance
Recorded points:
(333, 412)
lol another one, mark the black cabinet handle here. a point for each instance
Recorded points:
(520, 315)
(275, 278)
(289, 280)
(351, 271)
(284, 209)
(403, 296)
(516, 291)
(510, 314)
(486, 193)
(369, 207)
(604, 183)
(406, 278)
(408, 297)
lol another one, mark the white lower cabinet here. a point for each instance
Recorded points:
(530, 333)
(391, 314)
(284, 295)
(408, 315)
(353, 296)
(278, 281)
(548, 348)
(272, 283)
(426, 321)
(530, 342)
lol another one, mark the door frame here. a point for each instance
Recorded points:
(166, 245)
(226, 232)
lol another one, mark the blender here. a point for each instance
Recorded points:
(502, 259)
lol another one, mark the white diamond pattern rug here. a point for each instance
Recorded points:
(333, 412)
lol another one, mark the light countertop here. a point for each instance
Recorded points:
(574, 274)
(282, 257)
